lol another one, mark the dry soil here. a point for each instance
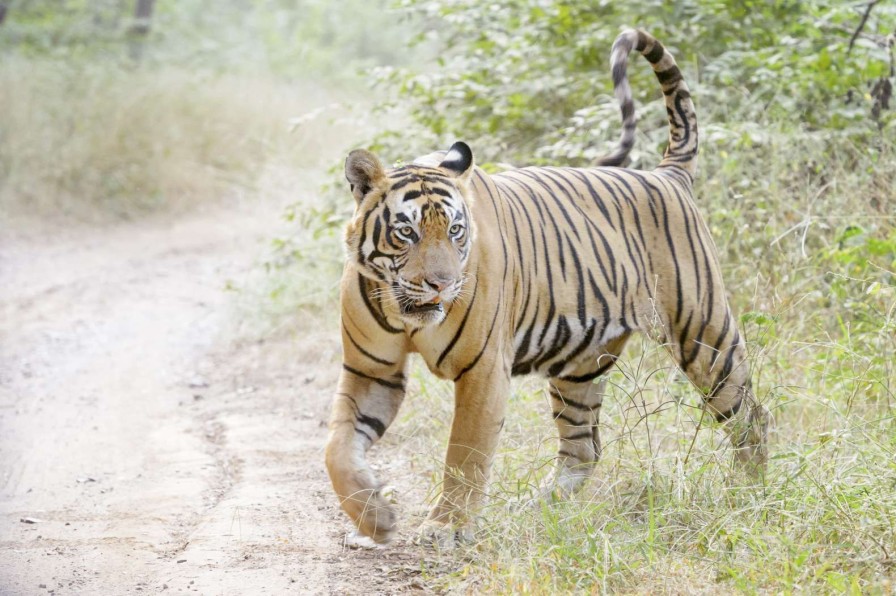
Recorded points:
(145, 447)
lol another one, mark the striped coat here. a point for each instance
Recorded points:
(534, 270)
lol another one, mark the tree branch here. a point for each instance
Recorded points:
(861, 26)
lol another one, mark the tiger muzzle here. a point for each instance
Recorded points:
(411, 309)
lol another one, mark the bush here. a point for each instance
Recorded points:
(528, 80)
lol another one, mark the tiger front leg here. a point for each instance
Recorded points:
(365, 405)
(480, 399)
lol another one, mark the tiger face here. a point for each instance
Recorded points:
(412, 232)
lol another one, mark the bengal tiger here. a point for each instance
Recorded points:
(545, 270)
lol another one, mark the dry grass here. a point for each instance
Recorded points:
(94, 141)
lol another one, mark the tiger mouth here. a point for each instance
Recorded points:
(413, 309)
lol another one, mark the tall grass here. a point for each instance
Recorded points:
(92, 140)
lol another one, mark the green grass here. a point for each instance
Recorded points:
(667, 511)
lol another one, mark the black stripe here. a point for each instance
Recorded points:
(682, 337)
(377, 234)
(440, 191)
(587, 377)
(403, 182)
(561, 337)
(484, 345)
(539, 175)
(567, 419)
(603, 301)
(656, 53)
(581, 307)
(484, 182)
(555, 368)
(643, 40)
(578, 436)
(629, 195)
(674, 259)
(363, 238)
(377, 315)
(722, 334)
(618, 72)
(652, 193)
(723, 416)
(374, 423)
(726, 368)
(569, 402)
(528, 271)
(552, 309)
(365, 352)
(584, 175)
(670, 76)
(377, 380)
(363, 434)
(460, 327)
(686, 124)
(520, 367)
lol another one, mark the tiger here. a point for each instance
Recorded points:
(535, 270)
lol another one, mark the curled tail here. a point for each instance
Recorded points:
(682, 149)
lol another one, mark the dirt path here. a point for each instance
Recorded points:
(141, 450)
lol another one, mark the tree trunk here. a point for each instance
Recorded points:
(139, 30)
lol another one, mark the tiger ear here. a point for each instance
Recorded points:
(362, 170)
(459, 161)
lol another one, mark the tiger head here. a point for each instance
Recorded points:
(412, 231)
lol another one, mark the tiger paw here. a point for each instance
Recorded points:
(376, 516)
(562, 487)
(443, 536)
(360, 541)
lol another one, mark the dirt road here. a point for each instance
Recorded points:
(146, 449)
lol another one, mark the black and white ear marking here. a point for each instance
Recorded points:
(459, 160)
(362, 170)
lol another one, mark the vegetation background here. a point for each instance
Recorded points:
(111, 114)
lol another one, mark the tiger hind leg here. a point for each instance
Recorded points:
(576, 411)
(716, 363)
(745, 419)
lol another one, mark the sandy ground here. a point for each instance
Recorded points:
(144, 449)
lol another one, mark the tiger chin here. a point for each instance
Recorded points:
(536, 270)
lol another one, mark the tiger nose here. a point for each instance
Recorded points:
(437, 284)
